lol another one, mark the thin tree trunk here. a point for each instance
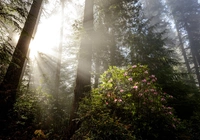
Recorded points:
(57, 80)
(83, 79)
(14, 72)
(197, 55)
(196, 67)
(113, 50)
(56, 107)
(183, 50)
(184, 53)
(193, 51)
(97, 72)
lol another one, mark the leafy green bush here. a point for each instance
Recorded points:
(128, 104)
(32, 107)
(36, 109)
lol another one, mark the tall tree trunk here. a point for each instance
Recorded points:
(193, 51)
(56, 107)
(83, 79)
(184, 52)
(97, 72)
(196, 67)
(14, 72)
(113, 50)
(57, 80)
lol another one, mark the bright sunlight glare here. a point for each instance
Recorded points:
(47, 36)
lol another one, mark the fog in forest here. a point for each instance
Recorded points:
(100, 69)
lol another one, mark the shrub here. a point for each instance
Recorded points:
(128, 104)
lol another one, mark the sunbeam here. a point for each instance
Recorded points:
(47, 37)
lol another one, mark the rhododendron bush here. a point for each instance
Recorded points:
(128, 104)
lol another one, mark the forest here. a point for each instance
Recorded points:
(99, 69)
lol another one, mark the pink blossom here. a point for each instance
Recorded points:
(107, 103)
(130, 79)
(125, 74)
(119, 100)
(162, 99)
(108, 95)
(135, 87)
(173, 126)
(169, 108)
(148, 83)
(170, 113)
(152, 90)
(152, 76)
(146, 72)
(115, 100)
(140, 94)
(144, 80)
(153, 80)
(134, 66)
(155, 93)
(121, 90)
(170, 96)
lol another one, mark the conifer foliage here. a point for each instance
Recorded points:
(12, 17)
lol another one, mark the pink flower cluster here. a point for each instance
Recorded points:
(162, 99)
(117, 100)
(135, 87)
(134, 66)
(170, 96)
(153, 77)
(130, 79)
(155, 93)
(140, 94)
(144, 80)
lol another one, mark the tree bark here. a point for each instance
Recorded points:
(58, 68)
(193, 52)
(113, 48)
(83, 79)
(191, 78)
(183, 50)
(14, 72)
(97, 72)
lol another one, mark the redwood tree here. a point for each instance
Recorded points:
(9, 86)
(83, 79)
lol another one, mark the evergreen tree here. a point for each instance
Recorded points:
(12, 16)
(114, 20)
(15, 70)
(83, 78)
(186, 15)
